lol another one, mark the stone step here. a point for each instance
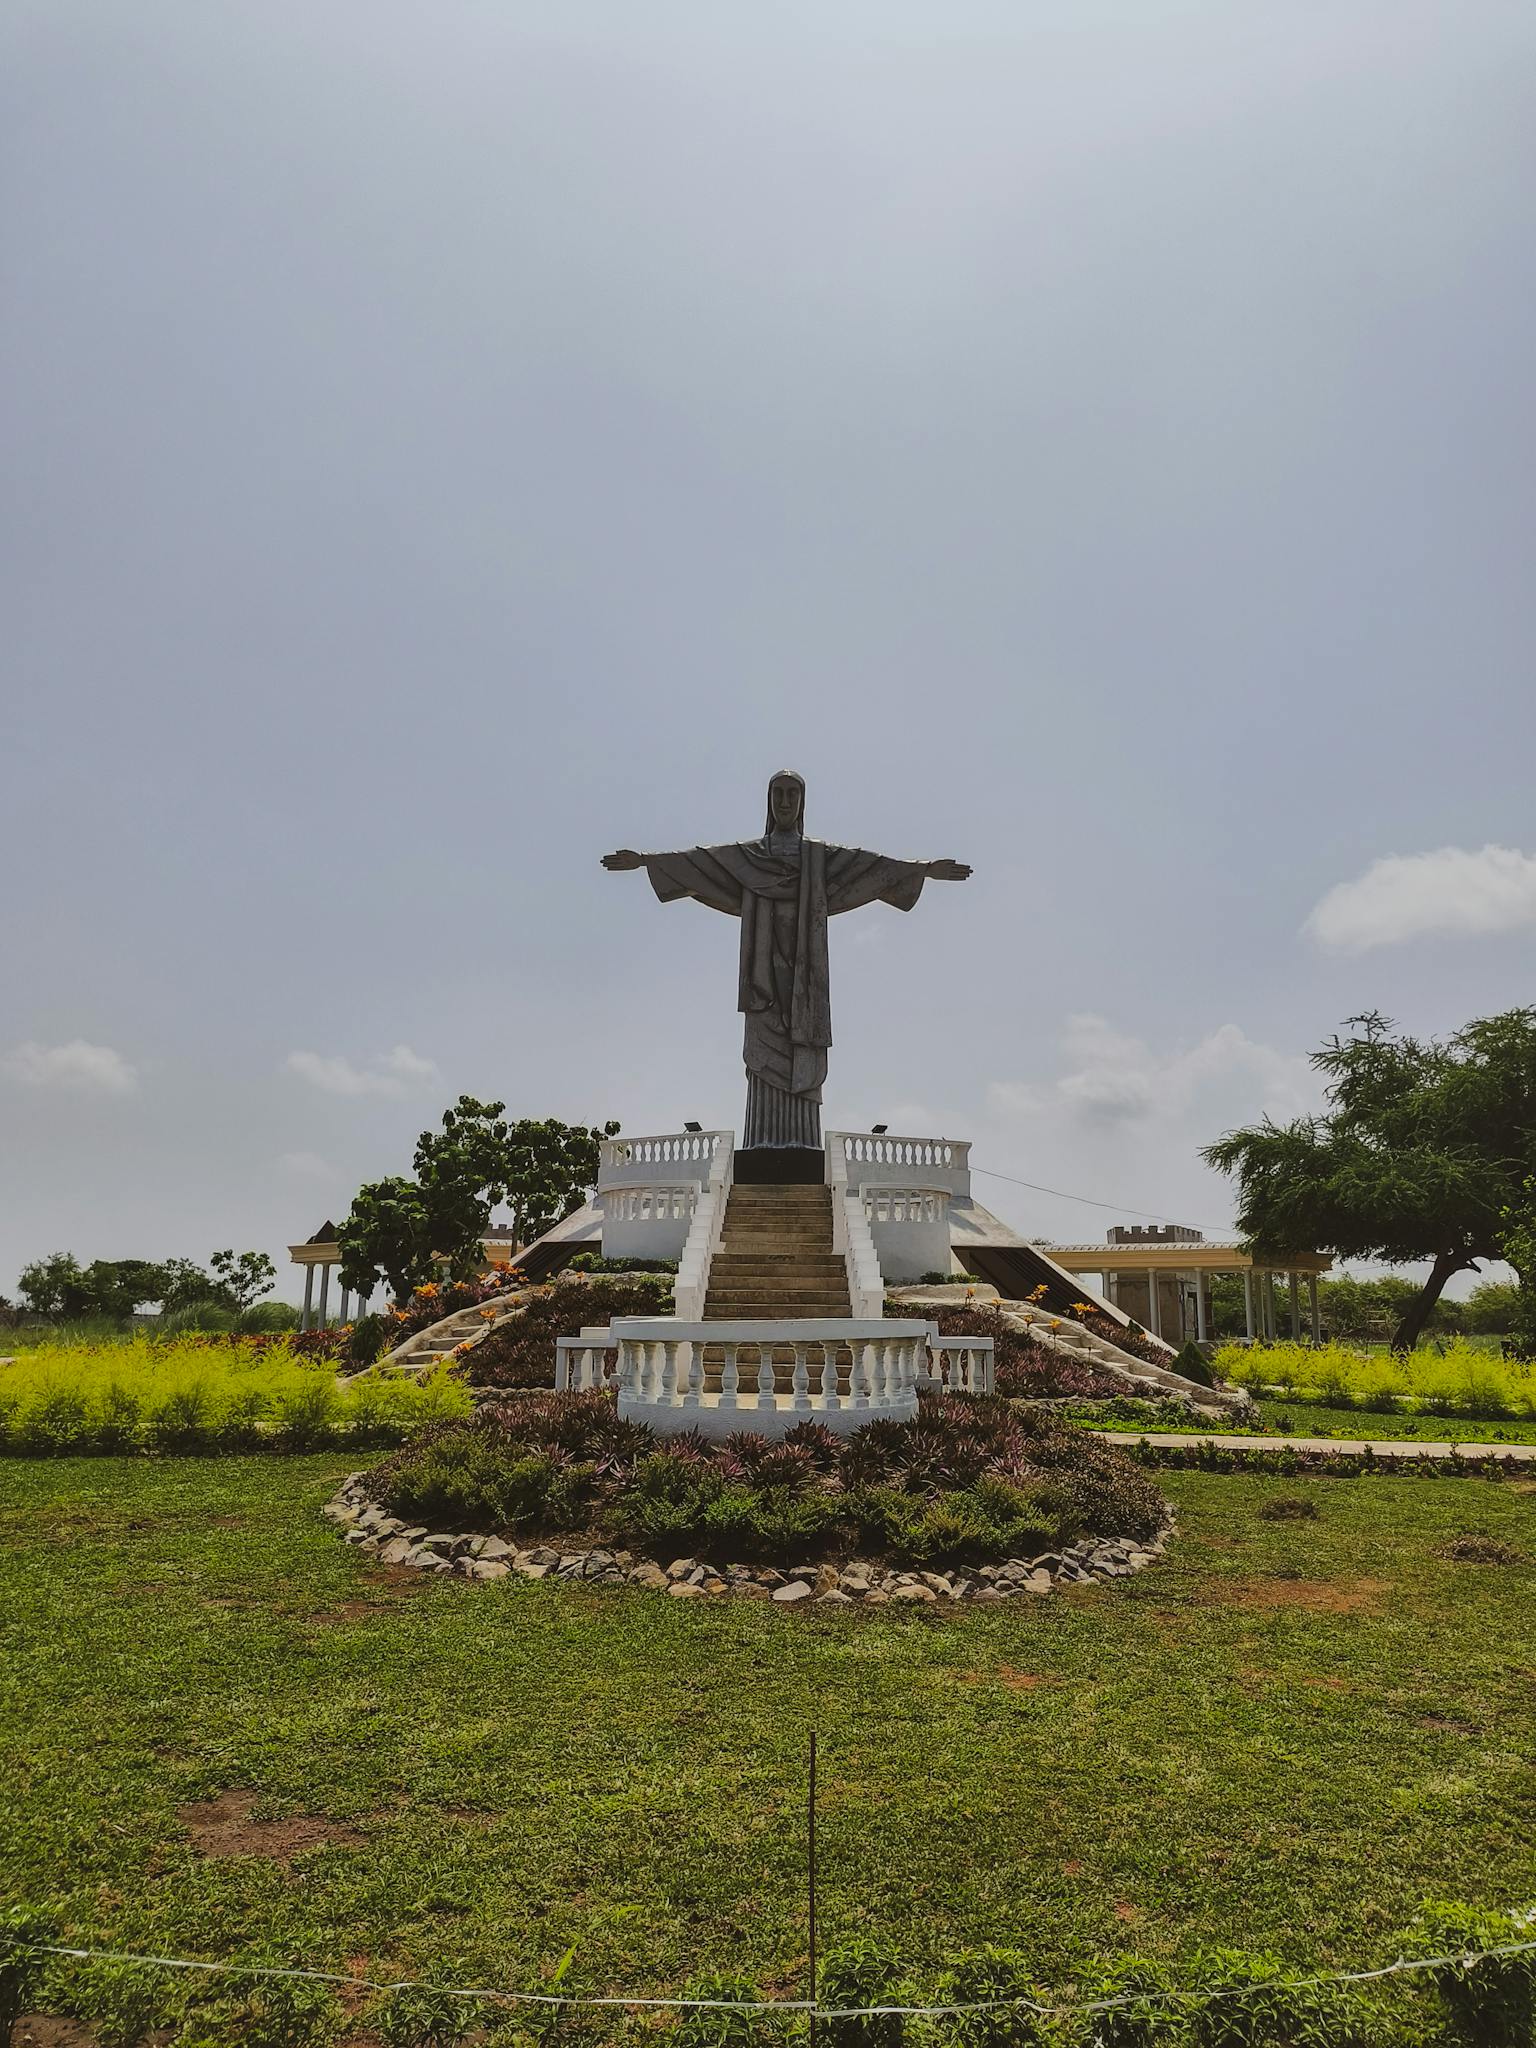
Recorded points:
(755, 1310)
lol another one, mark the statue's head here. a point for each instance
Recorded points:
(786, 802)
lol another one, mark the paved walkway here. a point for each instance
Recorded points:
(1381, 1447)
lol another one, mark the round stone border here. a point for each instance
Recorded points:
(370, 1528)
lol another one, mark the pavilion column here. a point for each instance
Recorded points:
(346, 1293)
(1295, 1307)
(1317, 1323)
(1154, 1306)
(1271, 1317)
(1201, 1319)
(325, 1291)
(1248, 1300)
(309, 1298)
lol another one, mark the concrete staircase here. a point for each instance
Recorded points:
(776, 1260)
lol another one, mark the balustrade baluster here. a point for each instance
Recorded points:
(765, 1376)
(829, 1376)
(800, 1379)
(730, 1378)
(694, 1373)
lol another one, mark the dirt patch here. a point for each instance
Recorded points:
(1009, 1675)
(1126, 1912)
(226, 1827)
(1331, 1684)
(1072, 1868)
(1475, 1549)
(1316, 1596)
(1441, 1724)
(45, 2030)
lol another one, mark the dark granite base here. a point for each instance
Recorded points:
(789, 1165)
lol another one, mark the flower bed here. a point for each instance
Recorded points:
(520, 1352)
(970, 1481)
(206, 1394)
(1025, 1370)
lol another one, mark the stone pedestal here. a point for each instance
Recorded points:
(792, 1165)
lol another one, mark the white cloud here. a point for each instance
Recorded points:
(392, 1073)
(1113, 1079)
(1452, 893)
(307, 1166)
(78, 1066)
(1122, 1123)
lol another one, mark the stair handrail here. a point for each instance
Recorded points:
(851, 1236)
(704, 1233)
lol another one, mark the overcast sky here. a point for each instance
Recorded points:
(443, 443)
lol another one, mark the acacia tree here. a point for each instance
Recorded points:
(243, 1278)
(409, 1230)
(1423, 1153)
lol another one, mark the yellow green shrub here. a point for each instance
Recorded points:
(202, 1394)
(1460, 1380)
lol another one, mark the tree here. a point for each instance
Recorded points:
(388, 1232)
(243, 1280)
(115, 1287)
(54, 1286)
(408, 1230)
(1422, 1153)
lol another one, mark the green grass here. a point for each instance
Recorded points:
(1281, 1419)
(1286, 1736)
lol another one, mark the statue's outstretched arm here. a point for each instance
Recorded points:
(946, 870)
(626, 857)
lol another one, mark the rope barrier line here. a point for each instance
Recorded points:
(1404, 1965)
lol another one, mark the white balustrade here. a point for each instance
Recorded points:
(581, 1363)
(705, 1230)
(961, 1365)
(944, 1162)
(766, 1376)
(852, 1241)
(672, 1155)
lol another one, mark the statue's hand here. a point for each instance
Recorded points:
(626, 857)
(947, 871)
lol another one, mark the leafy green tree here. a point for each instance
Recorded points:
(115, 1287)
(1422, 1153)
(388, 1232)
(243, 1280)
(55, 1286)
(410, 1230)
(185, 1283)
(1491, 1308)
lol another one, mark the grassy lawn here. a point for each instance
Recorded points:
(1277, 1418)
(1286, 1736)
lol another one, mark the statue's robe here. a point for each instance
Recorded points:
(784, 888)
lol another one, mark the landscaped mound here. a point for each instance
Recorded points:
(520, 1353)
(969, 1480)
(1025, 1370)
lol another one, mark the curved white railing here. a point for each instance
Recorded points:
(650, 1202)
(891, 1203)
(622, 1161)
(727, 1376)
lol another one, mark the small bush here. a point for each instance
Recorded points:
(594, 1262)
(1144, 2013)
(1246, 2003)
(1288, 1507)
(1192, 1364)
(720, 2026)
(1488, 2000)
(369, 1340)
(863, 1973)
(992, 1974)
(21, 1967)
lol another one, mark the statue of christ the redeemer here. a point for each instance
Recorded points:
(784, 887)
